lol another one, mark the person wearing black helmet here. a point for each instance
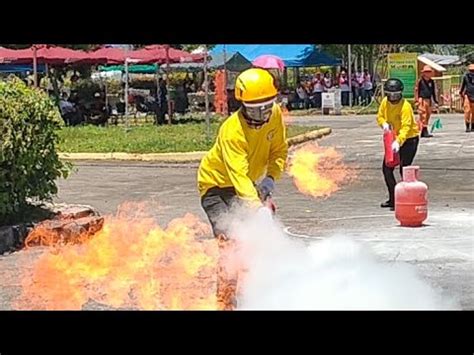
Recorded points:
(467, 96)
(395, 113)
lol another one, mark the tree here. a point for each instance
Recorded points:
(375, 54)
(16, 46)
(29, 163)
(465, 51)
(370, 52)
(191, 47)
(418, 48)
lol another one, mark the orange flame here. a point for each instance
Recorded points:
(130, 263)
(319, 171)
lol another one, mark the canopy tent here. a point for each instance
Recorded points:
(284, 51)
(146, 55)
(443, 59)
(8, 55)
(21, 68)
(111, 74)
(294, 55)
(55, 55)
(315, 58)
(109, 55)
(158, 54)
(136, 68)
(435, 66)
(45, 54)
(235, 62)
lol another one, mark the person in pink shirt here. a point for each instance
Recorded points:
(360, 83)
(327, 81)
(367, 87)
(345, 89)
(318, 89)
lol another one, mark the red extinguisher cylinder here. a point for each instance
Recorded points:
(392, 159)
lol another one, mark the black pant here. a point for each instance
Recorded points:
(367, 96)
(305, 102)
(407, 154)
(345, 98)
(317, 99)
(161, 111)
(216, 202)
(355, 96)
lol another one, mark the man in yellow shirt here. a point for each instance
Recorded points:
(396, 113)
(248, 156)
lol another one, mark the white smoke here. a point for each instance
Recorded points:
(333, 274)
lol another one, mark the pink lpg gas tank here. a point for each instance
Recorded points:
(411, 199)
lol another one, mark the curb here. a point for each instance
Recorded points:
(156, 157)
(189, 157)
(302, 138)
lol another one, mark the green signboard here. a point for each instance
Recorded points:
(403, 66)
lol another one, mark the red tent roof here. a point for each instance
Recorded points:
(149, 54)
(106, 55)
(45, 54)
(157, 54)
(8, 55)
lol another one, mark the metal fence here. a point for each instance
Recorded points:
(447, 91)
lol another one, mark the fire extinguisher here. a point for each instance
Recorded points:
(268, 201)
(392, 159)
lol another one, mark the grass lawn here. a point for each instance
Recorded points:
(145, 139)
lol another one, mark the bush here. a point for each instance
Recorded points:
(29, 164)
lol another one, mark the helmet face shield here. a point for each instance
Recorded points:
(257, 114)
(394, 96)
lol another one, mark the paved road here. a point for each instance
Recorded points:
(442, 251)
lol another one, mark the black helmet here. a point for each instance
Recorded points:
(393, 85)
(393, 89)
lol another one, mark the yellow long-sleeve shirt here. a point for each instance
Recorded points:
(400, 117)
(241, 155)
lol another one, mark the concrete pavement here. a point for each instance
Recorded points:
(442, 251)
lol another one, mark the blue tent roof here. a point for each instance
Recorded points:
(252, 51)
(294, 55)
(315, 58)
(23, 68)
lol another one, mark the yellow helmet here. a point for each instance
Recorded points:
(255, 84)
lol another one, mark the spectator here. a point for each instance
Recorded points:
(345, 89)
(29, 79)
(318, 88)
(68, 111)
(302, 95)
(367, 87)
(355, 89)
(327, 81)
(360, 85)
(162, 106)
(189, 83)
(308, 86)
(74, 78)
